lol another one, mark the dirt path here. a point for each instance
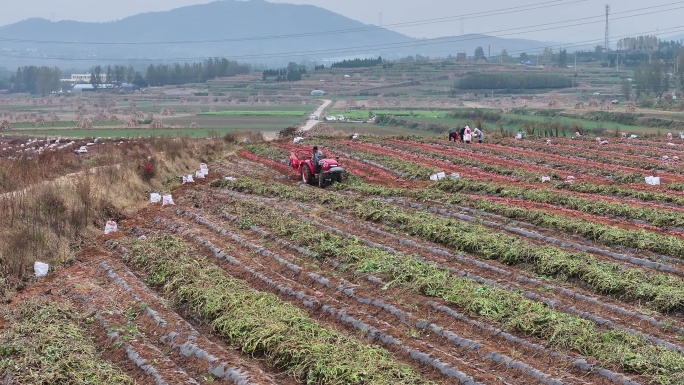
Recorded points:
(311, 123)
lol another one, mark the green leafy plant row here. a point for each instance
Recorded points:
(46, 345)
(518, 173)
(607, 235)
(660, 292)
(653, 216)
(261, 324)
(632, 353)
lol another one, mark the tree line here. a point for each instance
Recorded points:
(293, 72)
(176, 74)
(357, 63)
(35, 80)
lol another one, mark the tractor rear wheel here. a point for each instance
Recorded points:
(306, 175)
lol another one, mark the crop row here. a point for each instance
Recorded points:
(661, 292)
(176, 333)
(46, 345)
(523, 171)
(403, 316)
(468, 345)
(654, 214)
(363, 230)
(471, 161)
(484, 301)
(632, 147)
(636, 164)
(260, 323)
(529, 157)
(465, 259)
(608, 235)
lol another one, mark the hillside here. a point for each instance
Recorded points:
(253, 31)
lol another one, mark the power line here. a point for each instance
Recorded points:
(358, 49)
(502, 11)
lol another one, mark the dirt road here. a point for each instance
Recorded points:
(309, 123)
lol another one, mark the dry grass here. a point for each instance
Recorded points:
(60, 202)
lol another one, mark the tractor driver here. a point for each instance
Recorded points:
(316, 158)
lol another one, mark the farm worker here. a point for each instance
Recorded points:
(467, 134)
(478, 134)
(461, 132)
(316, 157)
(453, 135)
(669, 136)
(519, 135)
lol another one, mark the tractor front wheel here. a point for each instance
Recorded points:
(306, 175)
(321, 180)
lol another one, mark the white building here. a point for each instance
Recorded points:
(83, 78)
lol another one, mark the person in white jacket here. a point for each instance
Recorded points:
(467, 135)
(478, 134)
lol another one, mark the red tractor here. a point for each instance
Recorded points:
(327, 171)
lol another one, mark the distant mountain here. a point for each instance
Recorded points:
(253, 31)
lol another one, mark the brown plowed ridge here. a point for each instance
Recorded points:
(209, 202)
(95, 294)
(575, 166)
(631, 147)
(665, 175)
(470, 362)
(481, 175)
(604, 308)
(485, 158)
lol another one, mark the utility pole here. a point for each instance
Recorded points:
(606, 46)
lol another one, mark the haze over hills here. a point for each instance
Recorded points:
(253, 31)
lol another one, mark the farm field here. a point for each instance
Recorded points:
(388, 278)
(147, 115)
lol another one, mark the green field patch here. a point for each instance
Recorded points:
(145, 132)
(256, 113)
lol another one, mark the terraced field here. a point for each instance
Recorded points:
(388, 278)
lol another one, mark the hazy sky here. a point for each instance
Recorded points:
(505, 18)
